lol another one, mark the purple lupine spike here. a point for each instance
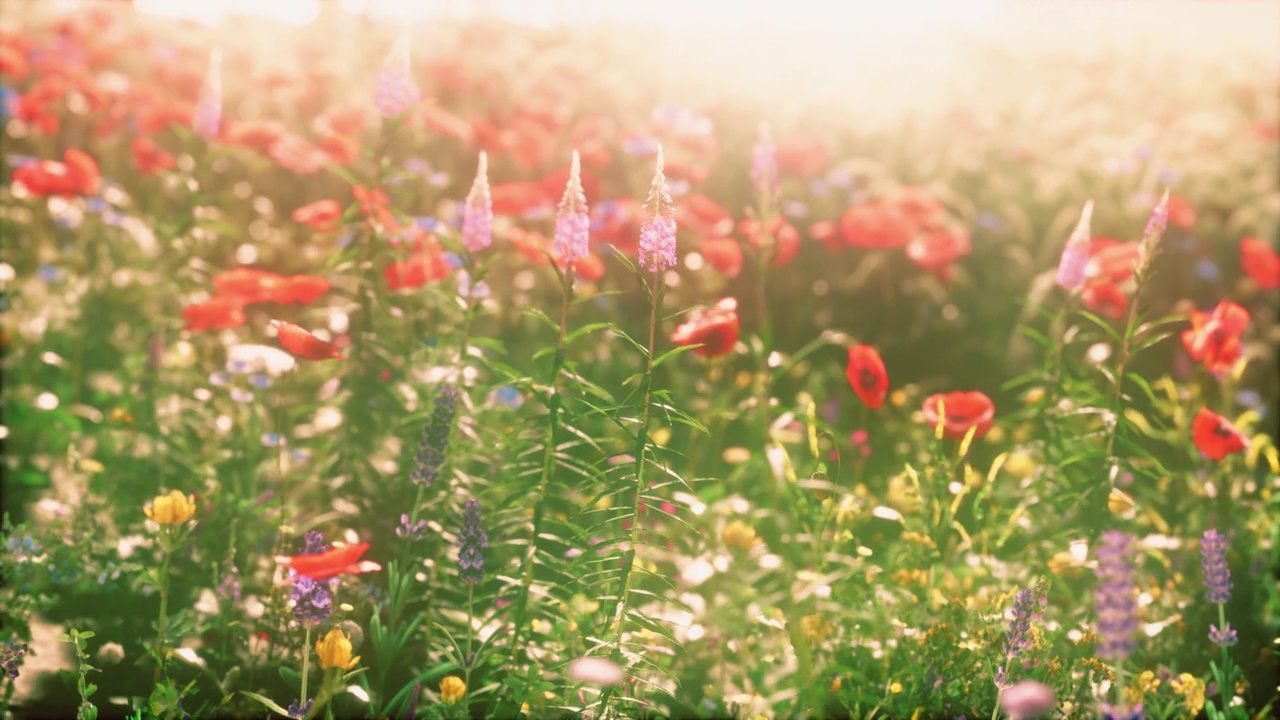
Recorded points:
(1213, 560)
(1225, 636)
(572, 220)
(658, 234)
(396, 91)
(1075, 256)
(472, 542)
(312, 603)
(435, 438)
(477, 213)
(313, 543)
(1113, 599)
(764, 164)
(411, 531)
(207, 120)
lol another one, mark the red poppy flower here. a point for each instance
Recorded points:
(936, 250)
(374, 204)
(1215, 339)
(321, 215)
(590, 268)
(303, 344)
(1216, 436)
(515, 198)
(1260, 262)
(919, 206)
(427, 264)
(1105, 299)
(867, 375)
(1113, 261)
(331, 563)
(723, 254)
(1181, 213)
(259, 134)
(825, 232)
(786, 239)
(553, 184)
(301, 289)
(715, 328)
(962, 411)
(149, 157)
(221, 312)
(803, 156)
(703, 216)
(77, 174)
(13, 63)
(875, 225)
(297, 154)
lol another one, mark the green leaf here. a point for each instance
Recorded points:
(271, 705)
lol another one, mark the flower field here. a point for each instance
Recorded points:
(479, 369)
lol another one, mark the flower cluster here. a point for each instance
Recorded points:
(435, 438)
(472, 542)
(1114, 597)
(11, 654)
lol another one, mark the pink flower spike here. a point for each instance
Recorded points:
(1075, 256)
(572, 221)
(658, 234)
(208, 113)
(477, 214)
(396, 91)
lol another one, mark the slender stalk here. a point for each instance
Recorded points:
(471, 634)
(163, 620)
(306, 666)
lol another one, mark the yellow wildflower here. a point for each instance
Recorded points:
(1146, 682)
(172, 509)
(740, 535)
(1192, 688)
(334, 650)
(452, 689)
(895, 687)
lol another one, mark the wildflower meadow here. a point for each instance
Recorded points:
(477, 368)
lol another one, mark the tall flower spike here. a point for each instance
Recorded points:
(1156, 224)
(208, 114)
(472, 542)
(1113, 600)
(572, 220)
(764, 165)
(1213, 560)
(1016, 638)
(396, 90)
(477, 214)
(435, 438)
(1075, 256)
(658, 234)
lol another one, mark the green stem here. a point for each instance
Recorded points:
(306, 666)
(163, 621)
(471, 633)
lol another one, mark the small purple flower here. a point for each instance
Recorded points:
(300, 710)
(312, 603)
(313, 543)
(1113, 599)
(1224, 636)
(407, 531)
(396, 91)
(1121, 712)
(1075, 256)
(1016, 637)
(435, 438)
(1213, 560)
(573, 223)
(764, 165)
(472, 542)
(229, 587)
(207, 120)
(11, 654)
(477, 213)
(658, 234)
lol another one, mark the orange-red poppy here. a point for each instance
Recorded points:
(867, 376)
(875, 225)
(715, 328)
(221, 312)
(321, 215)
(1105, 299)
(934, 251)
(786, 239)
(1260, 262)
(961, 411)
(303, 344)
(1214, 339)
(337, 561)
(703, 216)
(1216, 436)
(723, 254)
(149, 157)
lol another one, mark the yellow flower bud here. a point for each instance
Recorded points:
(836, 684)
(334, 651)
(452, 689)
(740, 535)
(172, 509)
(895, 687)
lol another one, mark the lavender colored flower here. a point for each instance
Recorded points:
(472, 542)
(1016, 637)
(1156, 224)
(1213, 560)
(1122, 712)
(658, 234)
(477, 213)
(1113, 599)
(435, 438)
(207, 120)
(229, 587)
(1225, 636)
(1075, 256)
(11, 654)
(572, 220)
(313, 543)
(407, 531)
(311, 601)
(396, 91)
(300, 710)
(764, 164)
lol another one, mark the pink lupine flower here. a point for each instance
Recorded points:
(658, 234)
(477, 214)
(572, 220)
